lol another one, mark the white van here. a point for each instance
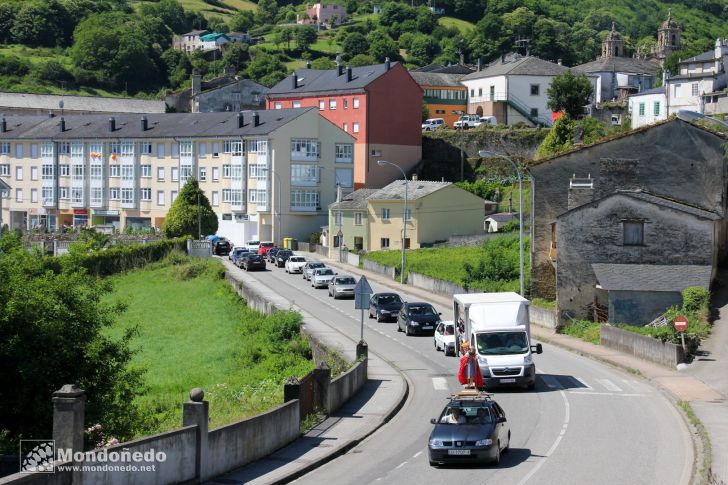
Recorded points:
(253, 246)
(433, 124)
(488, 120)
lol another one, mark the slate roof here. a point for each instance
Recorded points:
(328, 81)
(3, 185)
(415, 190)
(437, 79)
(651, 277)
(197, 32)
(705, 56)
(165, 125)
(620, 64)
(439, 68)
(503, 217)
(354, 200)
(79, 103)
(525, 66)
(660, 90)
(681, 77)
(227, 81)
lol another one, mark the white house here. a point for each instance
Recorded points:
(243, 37)
(648, 107)
(213, 41)
(513, 89)
(701, 75)
(495, 222)
(190, 41)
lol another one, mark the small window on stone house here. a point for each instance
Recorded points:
(634, 233)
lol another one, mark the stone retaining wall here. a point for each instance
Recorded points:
(641, 346)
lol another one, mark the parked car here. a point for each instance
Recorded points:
(445, 337)
(488, 120)
(242, 258)
(471, 428)
(271, 255)
(309, 268)
(265, 246)
(236, 253)
(417, 317)
(384, 306)
(433, 124)
(253, 245)
(221, 247)
(295, 264)
(253, 261)
(321, 277)
(232, 251)
(467, 121)
(282, 256)
(342, 286)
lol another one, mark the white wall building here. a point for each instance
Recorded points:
(700, 75)
(647, 107)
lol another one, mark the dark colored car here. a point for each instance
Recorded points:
(243, 257)
(282, 256)
(471, 429)
(236, 253)
(254, 261)
(271, 254)
(385, 306)
(221, 247)
(417, 318)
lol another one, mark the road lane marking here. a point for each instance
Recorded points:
(564, 426)
(586, 386)
(401, 465)
(606, 394)
(417, 454)
(439, 383)
(611, 386)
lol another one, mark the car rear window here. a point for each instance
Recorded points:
(387, 299)
(346, 281)
(421, 310)
(297, 259)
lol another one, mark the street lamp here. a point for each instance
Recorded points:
(488, 153)
(382, 163)
(280, 229)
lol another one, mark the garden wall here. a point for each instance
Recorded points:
(642, 346)
(543, 317)
(374, 267)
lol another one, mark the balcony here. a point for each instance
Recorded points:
(305, 208)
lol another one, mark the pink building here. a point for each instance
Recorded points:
(322, 13)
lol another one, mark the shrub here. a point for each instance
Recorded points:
(52, 71)
(13, 66)
(191, 270)
(695, 299)
(584, 330)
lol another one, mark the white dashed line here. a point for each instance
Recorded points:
(439, 383)
(401, 465)
(417, 454)
(609, 385)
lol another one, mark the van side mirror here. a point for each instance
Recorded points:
(538, 348)
(433, 421)
(439, 313)
(502, 419)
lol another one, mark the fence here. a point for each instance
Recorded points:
(201, 249)
(374, 267)
(648, 348)
(352, 259)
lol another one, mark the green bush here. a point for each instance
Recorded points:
(584, 330)
(695, 299)
(189, 271)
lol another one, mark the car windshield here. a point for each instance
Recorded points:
(325, 271)
(296, 259)
(449, 329)
(346, 281)
(254, 257)
(316, 265)
(422, 310)
(389, 299)
(502, 343)
(466, 415)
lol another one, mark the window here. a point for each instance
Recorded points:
(332, 104)
(34, 196)
(175, 174)
(18, 173)
(175, 150)
(203, 174)
(345, 177)
(338, 216)
(357, 218)
(18, 195)
(305, 198)
(76, 195)
(115, 148)
(4, 148)
(77, 171)
(694, 89)
(258, 171)
(305, 149)
(127, 172)
(642, 109)
(355, 127)
(385, 214)
(322, 105)
(215, 199)
(277, 105)
(355, 103)
(296, 104)
(114, 193)
(408, 215)
(304, 173)
(215, 174)
(492, 93)
(256, 196)
(202, 149)
(633, 233)
(127, 195)
(95, 171)
(5, 170)
(226, 171)
(472, 93)
(114, 170)
(33, 173)
(226, 195)
(64, 148)
(346, 103)
(160, 150)
(145, 194)
(656, 108)
(145, 148)
(534, 112)
(344, 153)
(215, 149)
(65, 170)
(63, 193)
(535, 89)
(173, 196)
(33, 150)
(160, 197)
(97, 194)
(160, 174)
(146, 171)
(480, 91)
(345, 127)
(384, 243)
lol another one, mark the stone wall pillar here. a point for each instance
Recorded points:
(196, 412)
(322, 377)
(69, 404)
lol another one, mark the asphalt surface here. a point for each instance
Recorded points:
(584, 423)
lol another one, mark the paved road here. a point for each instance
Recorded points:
(584, 423)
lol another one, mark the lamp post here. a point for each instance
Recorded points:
(488, 153)
(199, 217)
(382, 163)
(280, 230)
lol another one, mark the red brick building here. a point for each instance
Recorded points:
(380, 105)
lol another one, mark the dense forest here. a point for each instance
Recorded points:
(117, 46)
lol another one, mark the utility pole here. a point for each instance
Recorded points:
(199, 217)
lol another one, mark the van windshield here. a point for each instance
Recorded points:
(502, 343)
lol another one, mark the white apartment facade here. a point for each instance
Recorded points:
(699, 76)
(647, 107)
(267, 175)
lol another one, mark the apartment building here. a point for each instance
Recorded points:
(267, 175)
(380, 105)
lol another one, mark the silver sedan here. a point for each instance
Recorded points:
(342, 286)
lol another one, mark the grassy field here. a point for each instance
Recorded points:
(224, 8)
(462, 25)
(196, 332)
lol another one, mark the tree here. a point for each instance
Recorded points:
(355, 43)
(323, 63)
(266, 12)
(170, 12)
(422, 49)
(8, 12)
(283, 35)
(42, 23)
(381, 46)
(242, 21)
(361, 60)
(190, 208)
(236, 55)
(569, 93)
(305, 36)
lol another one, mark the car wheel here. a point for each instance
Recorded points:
(379, 317)
(508, 445)
(407, 330)
(399, 329)
(335, 297)
(370, 314)
(436, 347)
(496, 459)
(433, 463)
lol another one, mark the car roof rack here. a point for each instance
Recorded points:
(471, 395)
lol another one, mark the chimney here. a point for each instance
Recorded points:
(338, 193)
(240, 119)
(3, 125)
(339, 69)
(308, 64)
(665, 76)
(414, 176)
(196, 82)
(503, 58)
(479, 65)
(112, 124)
(62, 125)
(144, 123)
(348, 74)
(294, 80)
(581, 191)
(387, 64)
(51, 114)
(256, 118)
(559, 62)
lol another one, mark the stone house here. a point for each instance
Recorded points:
(225, 93)
(655, 196)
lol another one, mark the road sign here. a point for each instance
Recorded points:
(681, 323)
(362, 292)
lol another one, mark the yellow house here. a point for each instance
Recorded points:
(435, 211)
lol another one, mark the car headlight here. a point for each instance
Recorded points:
(414, 324)
(436, 443)
(485, 442)
(482, 360)
(528, 359)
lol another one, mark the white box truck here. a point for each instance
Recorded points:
(498, 327)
